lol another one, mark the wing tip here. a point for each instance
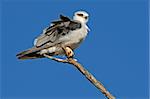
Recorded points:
(64, 18)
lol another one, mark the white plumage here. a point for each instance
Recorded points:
(64, 32)
(75, 36)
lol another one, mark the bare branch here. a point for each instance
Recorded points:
(88, 75)
(56, 59)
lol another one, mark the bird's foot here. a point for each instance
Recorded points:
(69, 52)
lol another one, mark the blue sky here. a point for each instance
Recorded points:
(115, 51)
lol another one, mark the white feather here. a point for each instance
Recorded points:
(74, 37)
(35, 41)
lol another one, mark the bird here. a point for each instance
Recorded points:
(62, 33)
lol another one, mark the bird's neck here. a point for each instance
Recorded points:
(86, 26)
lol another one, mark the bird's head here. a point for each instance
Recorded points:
(81, 16)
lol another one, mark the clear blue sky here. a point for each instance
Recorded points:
(115, 51)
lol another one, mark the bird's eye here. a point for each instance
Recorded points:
(80, 15)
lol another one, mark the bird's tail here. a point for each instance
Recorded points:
(31, 53)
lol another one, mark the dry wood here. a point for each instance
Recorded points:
(88, 75)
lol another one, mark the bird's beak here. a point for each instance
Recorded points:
(86, 17)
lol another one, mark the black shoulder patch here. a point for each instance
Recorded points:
(74, 25)
(64, 18)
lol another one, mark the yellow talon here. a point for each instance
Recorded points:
(69, 52)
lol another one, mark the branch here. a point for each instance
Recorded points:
(88, 75)
(56, 59)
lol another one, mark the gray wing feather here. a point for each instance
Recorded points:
(59, 29)
(44, 38)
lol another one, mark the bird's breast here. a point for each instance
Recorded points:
(78, 34)
(74, 38)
